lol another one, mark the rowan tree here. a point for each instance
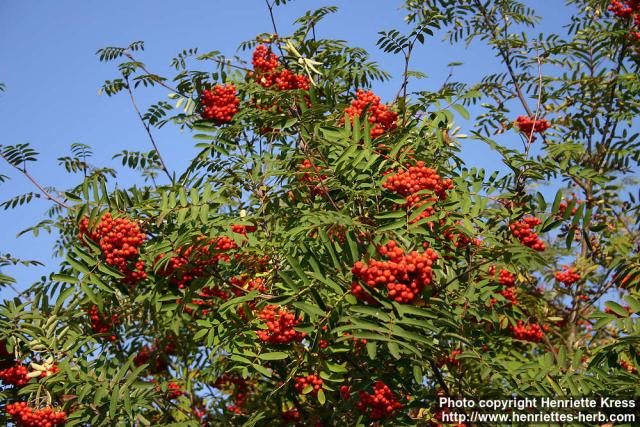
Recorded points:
(328, 258)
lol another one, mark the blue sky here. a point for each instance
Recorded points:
(52, 77)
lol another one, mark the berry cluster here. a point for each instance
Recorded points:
(532, 332)
(208, 293)
(567, 276)
(457, 239)
(237, 387)
(17, 375)
(562, 207)
(120, 240)
(404, 275)
(26, 416)
(243, 284)
(264, 60)
(345, 392)
(508, 280)
(280, 324)
(311, 177)
(380, 118)
(528, 126)
(266, 64)
(286, 80)
(156, 358)
(313, 381)
(102, 324)
(628, 9)
(191, 262)
(419, 185)
(628, 366)
(523, 231)
(220, 103)
(382, 403)
(243, 229)
(451, 359)
(291, 416)
(173, 390)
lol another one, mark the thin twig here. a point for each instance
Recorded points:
(275, 28)
(148, 129)
(45, 193)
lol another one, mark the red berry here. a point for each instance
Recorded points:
(380, 117)
(528, 126)
(382, 403)
(220, 103)
(280, 324)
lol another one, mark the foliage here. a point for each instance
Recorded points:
(247, 301)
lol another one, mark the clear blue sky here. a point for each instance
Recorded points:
(52, 77)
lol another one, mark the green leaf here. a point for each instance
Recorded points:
(264, 371)
(372, 350)
(276, 355)
(617, 308)
(64, 278)
(461, 110)
(394, 349)
(298, 269)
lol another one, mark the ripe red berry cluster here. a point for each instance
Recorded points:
(528, 126)
(120, 240)
(311, 176)
(567, 276)
(266, 64)
(310, 380)
(191, 262)
(220, 103)
(156, 359)
(628, 366)
(237, 387)
(409, 181)
(345, 392)
(404, 275)
(243, 229)
(506, 278)
(628, 9)
(562, 207)
(280, 323)
(510, 294)
(286, 80)
(624, 8)
(15, 375)
(223, 244)
(102, 324)
(380, 117)
(451, 359)
(531, 332)
(173, 390)
(243, 284)
(291, 416)
(25, 416)
(382, 403)
(523, 230)
(264, 60)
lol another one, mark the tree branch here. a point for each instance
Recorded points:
(148, 129)
(45, 193)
